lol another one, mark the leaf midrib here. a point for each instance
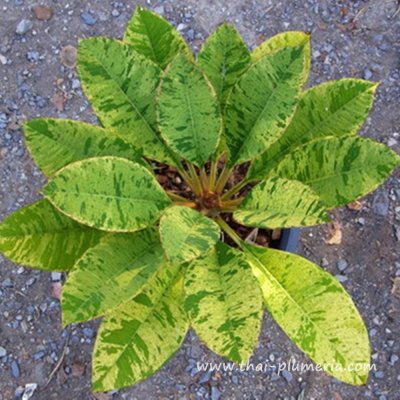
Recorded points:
(273, 92)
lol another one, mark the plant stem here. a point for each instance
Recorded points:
(229, 231)
(176, 197)
(190, 204)
(223, 179)
(197, 188)
(231, 203)
(204, 180)
(234, 189)
(213, 173)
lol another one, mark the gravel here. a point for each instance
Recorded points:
(350, 38)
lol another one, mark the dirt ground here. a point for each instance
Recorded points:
(350, 38)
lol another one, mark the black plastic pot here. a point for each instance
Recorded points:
(290, 240)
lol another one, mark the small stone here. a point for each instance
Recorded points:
(77, 369)
(382, 397)
(235, 379)
(15, 372)
(29, 390)
(190, 34)
(88, 332)
(206, 377)
(56, 276)
(88, 19)
(215, 393)
(373, 332)
(7, 283)
(115, 13)
(56, 290)
(33, 56)
(38, 355)
(379, 374)
(393, 359)
(42, 13)
(341, 265)
(30, 281)
(367, 74)
(24, 26)
(68, 56)
(3, 59)
(159, 10)
(380, 204)
(287, 375)
(59, 101)
(3, 352)
(341, 278)
(181, 27)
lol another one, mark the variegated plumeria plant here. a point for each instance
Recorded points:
(152, 261)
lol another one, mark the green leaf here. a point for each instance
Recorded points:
(154, 37)
(339, 170)
(315, 311)
(262, 103)
(224, 303)
(121, 85)
(108, 193)
(285, 40)
(140, 336)
(41, 237)
(55, 143)
(111, 273)
(189, 114)
(336, 108)
(281, 203)
(186, 234)
(223, 58)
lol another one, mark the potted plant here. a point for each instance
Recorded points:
(143, 212)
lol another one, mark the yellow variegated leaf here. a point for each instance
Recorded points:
(140, 336)
(224, 302)
(315, 311)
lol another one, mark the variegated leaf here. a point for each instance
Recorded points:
(262, 103)
(55, 143)
(121, 85)
(189, 114)
(139, 337)
(223, 58)
(41, 237)
(154, 37)
(111, 273)
(336, 108)
(281, 203)
(339, 170)
(284, 40)
(224, 302)
(315, 311)
(108, 193)
(186, 234)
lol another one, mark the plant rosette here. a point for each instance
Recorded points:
(249, 146)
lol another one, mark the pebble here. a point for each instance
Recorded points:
(341, 278)
(88, 19)
(393, 359)
(206, 377)
(342, 265)
(7, 283)
(75, 84)
(24, 26)
(3, 59)
(88, 332)
(29, 390)
(367, 74)
(215, 393)
(380, 204)
(56, 276)
(373, 332)
(33, 56)
(181, 27)
(115, 13)
(287, 375)
(379, 374)
(15, 372)
(3, 352)
(42, 13)
(30, 281)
